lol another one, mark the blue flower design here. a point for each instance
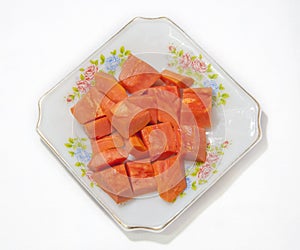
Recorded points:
(82, 155)
(213, 84)
(112, 63)
(188, 183)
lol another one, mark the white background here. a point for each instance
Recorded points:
(255, 206)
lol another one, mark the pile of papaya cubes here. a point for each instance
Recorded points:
(142, 127)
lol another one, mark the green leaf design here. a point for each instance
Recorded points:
(221, 87)
(209, 68)
(92, 62)
(81, 69)
(114, 52)
(180, 70)
(180, 53)
(194, 173)
(194, 185)
(75, 89)
(111, 72)
(71, 153)
(215, 171)
(92, 184)
(222, 101)
(71, 140)
(83, 139)
(193, 58)
(77, 164)
(225, 95)
(122, 49)
(182, 194)
(213, 76)
(188, 72)
(127, 52)
(96, 62)
(199, 164)
(200, 182)
(82, 77)
(102, 59)
(83, 172)
(68, 145)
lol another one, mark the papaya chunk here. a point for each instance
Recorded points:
(109, 86)
(108, 142)
(137, 74)
(141, 177)
(114, 181)
(88, 107)
(167, 102)
(160, 140)
(159, 82)
(107, 158)
(172, 78)
(136, 147)
(98, 128)
(128, 118)
(199, 101)
(194, 143)
(146, 102)
(170, 177)
(171, 89)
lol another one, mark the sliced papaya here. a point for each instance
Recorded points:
(136, 147)
(128, 118)
(171, 89)
(159, 82)
(88, 107)
(146, 102)
(137, 74)
(170, 177)
(98, 128)
(108, 142)
(108, 85)
(167, 102)
(107, 158)
(114, 181)
(194, 143)
(172, 78)
(199, 101)
(141, 177)
(160, 140)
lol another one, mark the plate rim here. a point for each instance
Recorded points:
(85, 186)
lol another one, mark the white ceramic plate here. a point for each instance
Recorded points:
(161, 43)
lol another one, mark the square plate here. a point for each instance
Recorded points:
(161, 43)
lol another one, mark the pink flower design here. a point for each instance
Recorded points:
(83, 86)
(90, 72)
(199, 66)
(185, 61)
(225, 144)
(172, 48)
(69, 98)
(89, 174)
(204, 172)
(211, 158)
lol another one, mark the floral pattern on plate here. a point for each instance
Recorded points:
(107, 64)
(199, 173)
(202, 72)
